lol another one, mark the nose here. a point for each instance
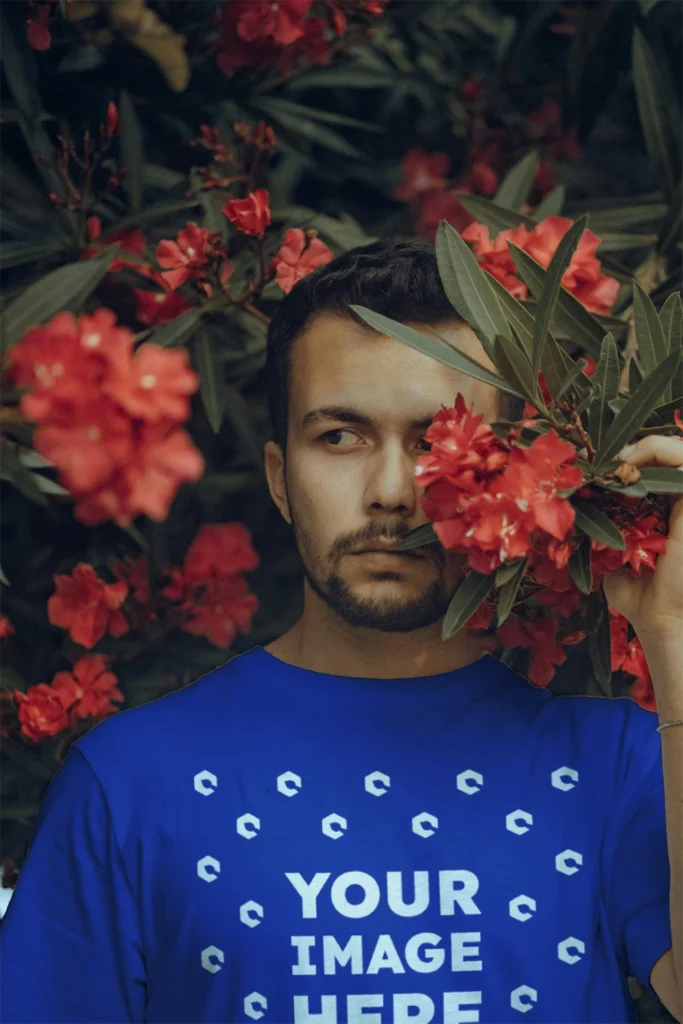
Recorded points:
(391, 485)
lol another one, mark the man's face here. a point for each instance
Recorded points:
(359, 406)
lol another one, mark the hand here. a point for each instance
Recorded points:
(653, 603)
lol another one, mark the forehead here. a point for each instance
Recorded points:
(337, 362)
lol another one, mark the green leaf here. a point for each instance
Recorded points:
(506, 572)
(179, 331)
(132, 152)
(551, 205)
(308, 129)
(571, 378)
(580, 566)
(671, 317)
(517, 315)
(511, 361)
(659, 114)
(465, 602)
(606, 377)
(600, 648)
(15, 254)
(508, 593)
(551, 287)
(418, 538)
(496, 218)
(652, 343)
(637, 409)
(468, 288)
(592, 521)
(433, 347)
(302, 112)
(3, 578)
(65, 288)
(559, 370)
(516, 185)
(209, 385)
(617, 218)
(22, 478)
(569, 315)
(662, 479)
(617, 241)
(155, 212)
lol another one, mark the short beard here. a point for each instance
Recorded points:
(388, 617)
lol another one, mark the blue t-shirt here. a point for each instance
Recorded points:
(281, 845)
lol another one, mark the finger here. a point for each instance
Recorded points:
(665, 451)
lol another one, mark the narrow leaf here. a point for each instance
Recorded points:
(465, 602)
(592, 521)
(506, 572)
(551, 205)
(239, 416)
(132, 152)
(652, 343)
(65, 288)
(508, 593)
(580, 566)
(671, 317)
(468, 288)
(569, 314)
(517, 315)
(516, 185)
(494, 217)
(670, 228)
(600, 648)
(22, 478)
(512, 362)
(659, 117)
(418, 538)
(551, 286)
(208, 381)
(179, 331)
(606, 377)
(637, 409)
(662, 479)
(571, 378)
(433, 347)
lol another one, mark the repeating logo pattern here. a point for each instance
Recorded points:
(518, 822)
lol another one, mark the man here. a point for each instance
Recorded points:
(359, 823)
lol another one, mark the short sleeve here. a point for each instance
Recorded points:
(71, 945)
(639, 875)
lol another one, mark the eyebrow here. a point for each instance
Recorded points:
(346, 415)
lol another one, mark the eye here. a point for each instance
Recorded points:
(331, 435)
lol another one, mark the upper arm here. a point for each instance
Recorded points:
(71, 947)
(663, 981)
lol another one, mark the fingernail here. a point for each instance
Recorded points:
(626, 452)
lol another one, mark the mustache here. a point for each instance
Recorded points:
(384, 532)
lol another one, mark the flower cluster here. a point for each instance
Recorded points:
(108, 416)
(583, 277)
(300, 253)
(498, 503)
(210, 588)
(87, 691)
(261, 33)
(433, 197)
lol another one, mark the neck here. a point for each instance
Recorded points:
(323, 642)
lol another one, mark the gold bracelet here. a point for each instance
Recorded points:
(678, 721)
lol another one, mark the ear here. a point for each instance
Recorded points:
(275, 475)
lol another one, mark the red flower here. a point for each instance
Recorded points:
(496, 258)
(645, 538)
(219, 549)
(678, 420)
(189, 253)
(435, 206)
(313, 46)
(583, 277)
(535, 475)
(6, 627)
(295, 261)
(87, 607)
(88, 690)
(422, 172)
(154, 384)
(281, 20)
(87, 443)
(94, 228)
(41, 712)
(134, 572)
(159, 307)
(37, 32)
(250, 215)
(462, 445)
(472, 88)
(130, 240)
(482, 178)
(113, 127)
(628, 656)
(541, 636)
(224, 608)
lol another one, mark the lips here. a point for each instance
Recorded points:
(388, 551)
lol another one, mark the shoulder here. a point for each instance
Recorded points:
(183, 717)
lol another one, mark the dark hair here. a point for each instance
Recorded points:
(396, 276)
